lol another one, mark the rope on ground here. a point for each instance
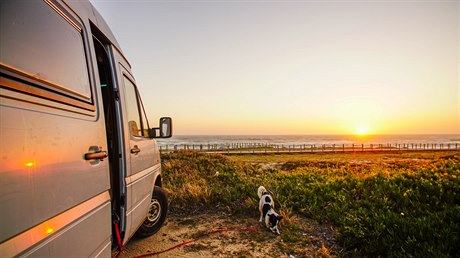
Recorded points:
(196, 239)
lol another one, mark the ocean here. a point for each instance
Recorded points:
(310, 139)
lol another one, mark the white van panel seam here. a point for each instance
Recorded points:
(132, 179)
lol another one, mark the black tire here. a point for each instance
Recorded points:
(156, 215)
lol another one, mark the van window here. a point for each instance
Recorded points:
(46, 46)
(137, 122)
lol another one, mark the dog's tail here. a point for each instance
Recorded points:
(260, 191)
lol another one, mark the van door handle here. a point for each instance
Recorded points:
(135, 149)
(97, 153)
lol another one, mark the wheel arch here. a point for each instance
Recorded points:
(158, 181)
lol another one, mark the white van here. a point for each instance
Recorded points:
(79, 165)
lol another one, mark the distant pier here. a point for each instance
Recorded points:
(261, 148)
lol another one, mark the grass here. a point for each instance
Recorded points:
(405, 204)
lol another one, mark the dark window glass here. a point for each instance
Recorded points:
(44, 45)
(136, 121)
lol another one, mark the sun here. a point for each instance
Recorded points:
(362, 131)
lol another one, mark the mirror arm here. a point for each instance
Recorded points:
(153, 133)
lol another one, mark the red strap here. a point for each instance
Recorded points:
(196, 239)
(117, 233)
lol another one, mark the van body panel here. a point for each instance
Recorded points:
(90, 232)
(42, 166)
(63, 224)
(145, 158)
(141, 194)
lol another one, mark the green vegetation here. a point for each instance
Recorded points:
(382, 204)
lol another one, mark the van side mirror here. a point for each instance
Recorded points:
(165, 129)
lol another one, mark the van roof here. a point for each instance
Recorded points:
(86, 11)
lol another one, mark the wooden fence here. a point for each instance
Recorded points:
(242, 148)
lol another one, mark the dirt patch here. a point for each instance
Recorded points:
(304, 239)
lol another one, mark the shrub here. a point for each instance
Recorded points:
(398, 208)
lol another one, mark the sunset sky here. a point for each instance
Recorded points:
(294, 67)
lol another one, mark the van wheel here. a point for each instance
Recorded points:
(156, 214)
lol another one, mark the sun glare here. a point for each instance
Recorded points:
(361, 131)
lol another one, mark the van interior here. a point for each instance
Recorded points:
(110, 97)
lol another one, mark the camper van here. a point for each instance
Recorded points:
(79, 163)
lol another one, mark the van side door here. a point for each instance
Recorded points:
(143, 163)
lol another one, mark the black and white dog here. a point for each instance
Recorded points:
(267, 212)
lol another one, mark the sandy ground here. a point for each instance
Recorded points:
(312, 240)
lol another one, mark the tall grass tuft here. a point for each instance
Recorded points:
(197, 181)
